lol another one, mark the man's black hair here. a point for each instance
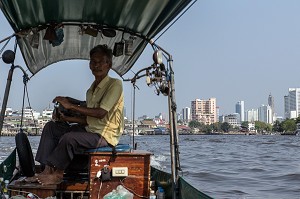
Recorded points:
(103, 49)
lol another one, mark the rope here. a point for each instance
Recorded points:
(25, 80)
(7, 38)
(31, 109)
(25, 91)
(16, 45)
(25, 192)
(131, 190)
(22, 115)
(4, 45)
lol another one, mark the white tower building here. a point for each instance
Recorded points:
(252, 115)
(292, 103)
(265, 114)
(240, 109)
(186, 114)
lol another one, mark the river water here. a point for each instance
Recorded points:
(223, 166)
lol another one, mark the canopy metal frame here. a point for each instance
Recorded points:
(172, 111)
(144, 19)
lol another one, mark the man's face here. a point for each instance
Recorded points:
(99, 65)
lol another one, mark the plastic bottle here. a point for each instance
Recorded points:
(5, 189)
(157, 191)
(160, 194)
(31, 196)
(1, 187)
(152, 194)
(1, 183)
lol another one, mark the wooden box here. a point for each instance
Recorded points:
(20, 187)
(67, 189)
(137, 181)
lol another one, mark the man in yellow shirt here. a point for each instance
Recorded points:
(101, 124)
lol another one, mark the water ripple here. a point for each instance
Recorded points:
(233, 167)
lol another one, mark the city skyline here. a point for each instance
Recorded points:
(235, 50)
(234, 109)
(262, 113)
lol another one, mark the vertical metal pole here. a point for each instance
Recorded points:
(133, 117)
(5, 98)
(173, 131)
(174, 147)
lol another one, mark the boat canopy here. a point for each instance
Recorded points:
(51, 31)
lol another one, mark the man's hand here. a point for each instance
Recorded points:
(63, 101)
(81, 109)
(55, 115)
(58, 115)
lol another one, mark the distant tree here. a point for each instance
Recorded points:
(268, 127)
(289, 125)
(202, 127)
(260, 126)
(216, 127)
(208, 129)
(225, 126)
(236, 129)
(298, 120)
(277, 126)
(245, 124)
(180, 122)
(194, 124)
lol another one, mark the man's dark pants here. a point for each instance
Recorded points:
(60, 142)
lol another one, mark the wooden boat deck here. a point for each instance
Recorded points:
(90, 186)
(64, 190)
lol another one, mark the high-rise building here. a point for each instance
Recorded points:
(218, 113)
(292, 103)
(186, 114)
(272, 105)
(271, 102)
(265, 114)
(251, 115)
(221, 118)
(204, 111)
(286, 107)
(240, 109)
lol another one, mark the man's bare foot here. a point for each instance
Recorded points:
(32, 179)
(48, 170)
(52, 179)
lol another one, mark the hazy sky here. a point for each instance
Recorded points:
(232, 50)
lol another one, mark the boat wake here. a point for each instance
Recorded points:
(157, 161)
